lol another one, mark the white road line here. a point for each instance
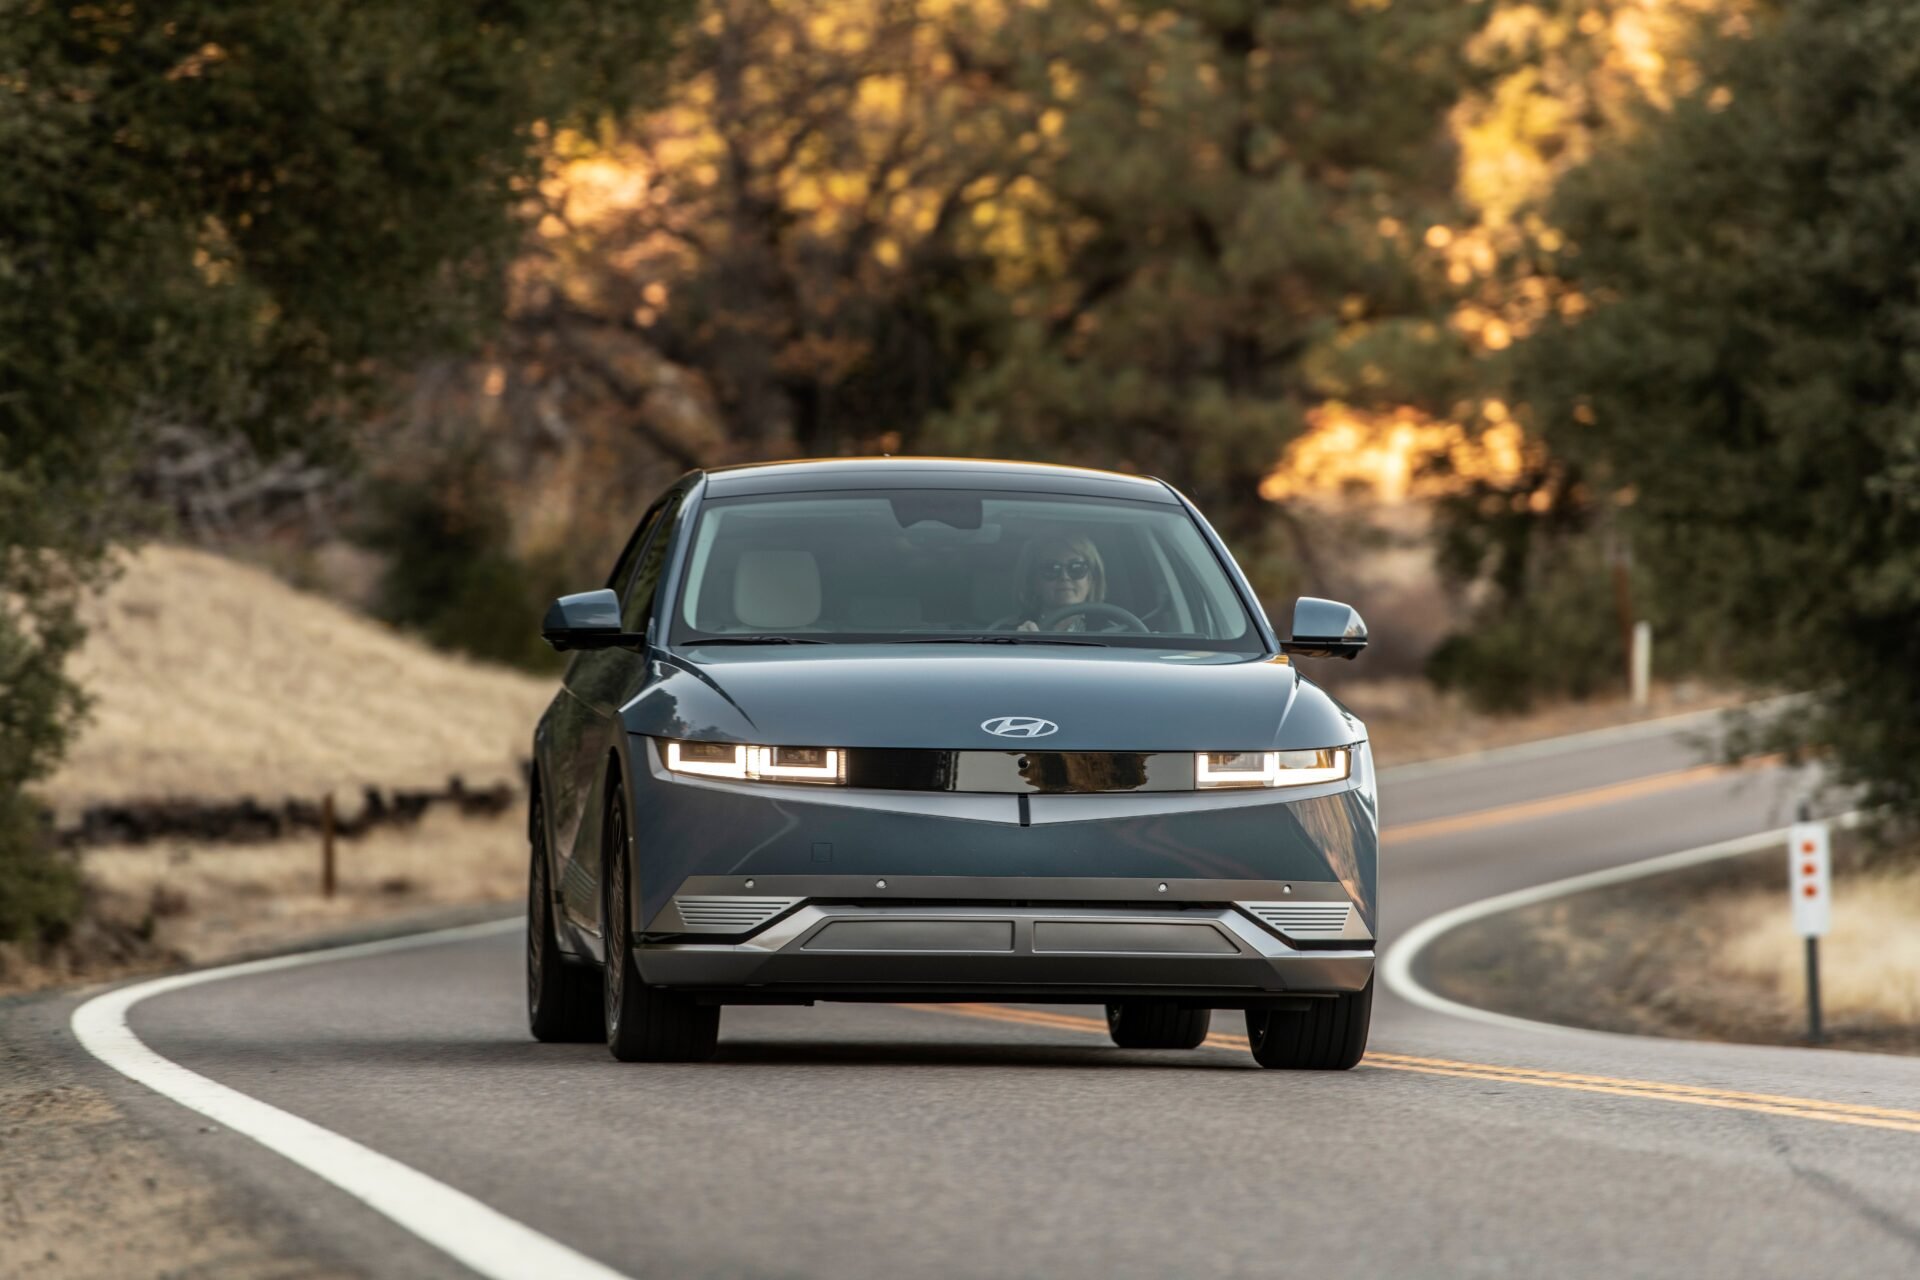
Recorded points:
(481, 1238)
(1570, 742)
(1396, 966)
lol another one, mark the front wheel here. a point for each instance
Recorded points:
(644, 1024)
(1157, 1024)
(1328, 1035)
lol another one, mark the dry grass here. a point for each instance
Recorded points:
(212, 900)
(174, 903)
(1869, 963)
(213, 680)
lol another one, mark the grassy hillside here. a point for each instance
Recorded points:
(214, 680)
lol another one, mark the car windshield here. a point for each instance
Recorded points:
(918, 564)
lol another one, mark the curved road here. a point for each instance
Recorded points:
(991, 1141)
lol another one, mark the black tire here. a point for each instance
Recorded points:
(1157, 1024)
(563, 998)
(643, 1024)
(1329, 1035)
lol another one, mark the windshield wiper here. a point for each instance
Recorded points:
(1016, 637)
(756, 640)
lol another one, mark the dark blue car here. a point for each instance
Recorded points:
(918, 729)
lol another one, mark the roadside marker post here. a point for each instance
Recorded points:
(1810, 884)
(1640, 664)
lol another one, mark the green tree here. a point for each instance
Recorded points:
(1225, 231)
(1742, 400)
(234, 215)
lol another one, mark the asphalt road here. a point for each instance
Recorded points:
(884, 1140)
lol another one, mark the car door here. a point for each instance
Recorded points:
(599, 682)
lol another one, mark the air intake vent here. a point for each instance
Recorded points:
(1307, 921)
(727, 914)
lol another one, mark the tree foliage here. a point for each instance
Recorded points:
(1129, 233)
(789, 225)
(235, 214)
(1742, 401)
(1232, 197)
(452, 574)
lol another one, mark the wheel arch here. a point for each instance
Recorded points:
(613, 790)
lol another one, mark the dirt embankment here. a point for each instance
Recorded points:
(1707, 952)
(220, 691)
(213, 680)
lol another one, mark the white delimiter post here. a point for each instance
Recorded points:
(1810, 882)
(1640, 671)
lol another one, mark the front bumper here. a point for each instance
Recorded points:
(766, 891)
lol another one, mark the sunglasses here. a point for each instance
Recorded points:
(1076, 569)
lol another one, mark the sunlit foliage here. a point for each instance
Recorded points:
(1239, 194)
(1141, 235)
(1550, 80)
(788, 226)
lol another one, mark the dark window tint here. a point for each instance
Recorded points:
(623, 567)
(653, 558)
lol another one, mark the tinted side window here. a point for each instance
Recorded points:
(623, 567)
(638, 604)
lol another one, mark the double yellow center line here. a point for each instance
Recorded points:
(1567, 802)
(1851, 1113)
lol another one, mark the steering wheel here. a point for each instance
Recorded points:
(1122, 618)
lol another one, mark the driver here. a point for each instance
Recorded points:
(1057, 571)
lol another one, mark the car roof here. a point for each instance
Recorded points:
(824, 474)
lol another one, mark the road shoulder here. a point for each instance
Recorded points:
(1699, 951)
(87, 1188)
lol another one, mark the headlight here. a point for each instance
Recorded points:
(1270, 768)
(821, 765)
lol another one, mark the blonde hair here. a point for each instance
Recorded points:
(1080, 545)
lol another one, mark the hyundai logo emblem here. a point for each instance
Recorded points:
(1019, 727)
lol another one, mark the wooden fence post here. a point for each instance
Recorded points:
(326, 845)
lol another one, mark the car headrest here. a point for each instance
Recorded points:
(776, 588)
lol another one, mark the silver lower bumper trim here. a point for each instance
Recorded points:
(827, 946)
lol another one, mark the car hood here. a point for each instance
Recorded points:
(937, 696)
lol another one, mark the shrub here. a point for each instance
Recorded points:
(40, 890)
(1561, 639)
(452, 574)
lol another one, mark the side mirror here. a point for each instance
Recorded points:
(1325, 629)
(587, 620)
